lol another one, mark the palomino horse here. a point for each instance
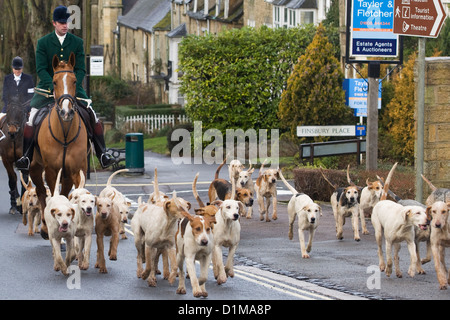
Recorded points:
(62, 138)
(11, 146)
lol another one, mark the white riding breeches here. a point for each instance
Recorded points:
(34, 111)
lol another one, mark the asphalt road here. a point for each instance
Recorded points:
(268, 265)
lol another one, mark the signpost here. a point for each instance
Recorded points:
(422, 18)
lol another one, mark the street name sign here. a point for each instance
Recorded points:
(422, 18)
(371, 29)
(330, 131)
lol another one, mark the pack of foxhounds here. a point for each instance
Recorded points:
(163, 227)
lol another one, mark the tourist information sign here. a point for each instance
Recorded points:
(421, 18)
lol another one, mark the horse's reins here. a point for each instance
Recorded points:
(64, 143)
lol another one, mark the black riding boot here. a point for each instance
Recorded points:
(23, 163)
(98, 140)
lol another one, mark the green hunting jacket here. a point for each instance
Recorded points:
(47, 47)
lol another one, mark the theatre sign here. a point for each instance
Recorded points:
(372, 29)
(423, 18)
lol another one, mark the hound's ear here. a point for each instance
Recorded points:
(72, 60)
(241, 208)
(55, 62)
(199, 211)
(211, 219)
(73, 213)
(189, 205)
(428, 212)
(343, 199)
(406, 213)
(53, 212)
(217, 203)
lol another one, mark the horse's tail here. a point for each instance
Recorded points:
(108, 184)
(58, 180)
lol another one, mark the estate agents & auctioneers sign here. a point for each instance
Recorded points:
(372, 29)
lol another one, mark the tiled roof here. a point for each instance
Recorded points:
(145, 14)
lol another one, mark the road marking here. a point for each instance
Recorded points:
(266, 280)
(290, 283)
(145, 184)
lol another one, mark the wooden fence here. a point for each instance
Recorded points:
(152, 122)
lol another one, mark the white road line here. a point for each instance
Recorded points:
(295, 291)
(145, 184)
(322, 292)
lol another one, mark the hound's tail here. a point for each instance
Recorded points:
(220, 167)
(108, 184)
(329, 182)
(433, 188)
(194, 191)
(291, 188)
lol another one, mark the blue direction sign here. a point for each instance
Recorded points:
(372, 29)
(356, 95)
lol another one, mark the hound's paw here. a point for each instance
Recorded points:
(181, 291)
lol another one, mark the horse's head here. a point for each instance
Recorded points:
(15, 117)
(64, 87)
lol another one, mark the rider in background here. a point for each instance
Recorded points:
(17, 86)
(60, 43)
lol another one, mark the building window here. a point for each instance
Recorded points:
(307, 17)
(276, 18)
(292, 20)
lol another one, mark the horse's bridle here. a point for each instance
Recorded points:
(65, 143)
(66, 96)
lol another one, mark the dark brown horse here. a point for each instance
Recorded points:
(62, 138)
(11, 146)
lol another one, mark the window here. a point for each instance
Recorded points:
(307, 17)
(276, 18)
(292, 20)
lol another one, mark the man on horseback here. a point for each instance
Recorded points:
(60, 43)
(17, 86)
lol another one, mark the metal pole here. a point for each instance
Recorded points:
(420, 118)
(372, 117)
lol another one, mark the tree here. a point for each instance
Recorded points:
(399, 114)
(314, 94)
(235, 79)
(22, 23)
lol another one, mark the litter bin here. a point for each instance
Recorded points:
(134, 152)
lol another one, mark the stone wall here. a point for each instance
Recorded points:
(437, 123)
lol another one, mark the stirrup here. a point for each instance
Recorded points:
(2, 135)
(23, 164)
(106, 160)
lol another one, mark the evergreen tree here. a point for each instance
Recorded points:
(399, 114)
(314, 94)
